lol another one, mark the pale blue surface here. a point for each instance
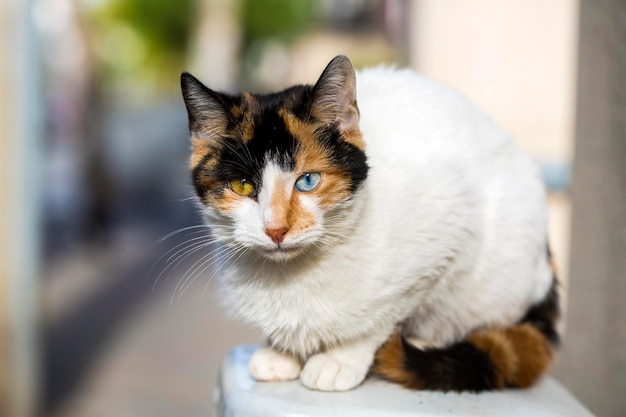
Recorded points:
(556, 175)
(241, 396)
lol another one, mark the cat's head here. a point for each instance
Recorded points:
(278, 173)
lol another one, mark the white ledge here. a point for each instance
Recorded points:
(238, 395)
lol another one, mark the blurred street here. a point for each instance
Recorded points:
(114, 338)
(162, 360)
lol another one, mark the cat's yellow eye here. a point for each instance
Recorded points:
(242, 186)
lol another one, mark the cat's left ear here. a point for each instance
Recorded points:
(208, 117)
(334, 96)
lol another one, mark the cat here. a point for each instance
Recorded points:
(401, 234)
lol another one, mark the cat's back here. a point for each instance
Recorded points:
(402, 108)
(460, 184)
(429, 134)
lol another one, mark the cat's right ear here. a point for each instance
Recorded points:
(334, 96)
(208, 117)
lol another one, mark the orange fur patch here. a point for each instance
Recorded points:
(247, 128)
(226, 202)
(389, 364)
(280, 206)
(335, 189)
(236, 111)
(520, 353)
(501, 353)
(299, 218)
(312, 157)
(296, 127)
(288, 211)
(305, 131)
(533, 352)
(247, 124)
(199, 149)
(355, 137)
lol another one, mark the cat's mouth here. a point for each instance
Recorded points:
(281, 253)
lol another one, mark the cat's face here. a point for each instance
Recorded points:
(278, 173)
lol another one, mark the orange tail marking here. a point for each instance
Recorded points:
(390, 365)
(518, 355)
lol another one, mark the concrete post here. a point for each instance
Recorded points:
(593, 361)
(20, 133)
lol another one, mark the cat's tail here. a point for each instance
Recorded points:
(488, 359)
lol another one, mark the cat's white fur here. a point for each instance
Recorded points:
(447, 235)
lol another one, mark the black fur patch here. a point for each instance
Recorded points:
(198, 173)
(460, 367)
(545, 314)
(345, 155)
(271, 141)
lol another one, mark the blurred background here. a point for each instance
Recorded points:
(104, 310)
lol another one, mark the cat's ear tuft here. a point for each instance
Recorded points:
(208, 117)
(334, 95)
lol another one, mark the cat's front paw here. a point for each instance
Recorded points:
(325, 373)
(267, 364)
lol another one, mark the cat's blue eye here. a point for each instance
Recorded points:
(308, 181)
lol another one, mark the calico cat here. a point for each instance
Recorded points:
(402, 234)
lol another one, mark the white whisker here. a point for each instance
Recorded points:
(208, 239)
(167, 236)
(245, 250)
(168, 252)
(191, 249)
(208, 258)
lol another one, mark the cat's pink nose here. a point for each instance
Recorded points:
(278, 234)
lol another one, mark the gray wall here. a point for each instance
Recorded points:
(593, 361)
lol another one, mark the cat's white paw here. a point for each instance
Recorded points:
(267, 364)
(325, 373)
